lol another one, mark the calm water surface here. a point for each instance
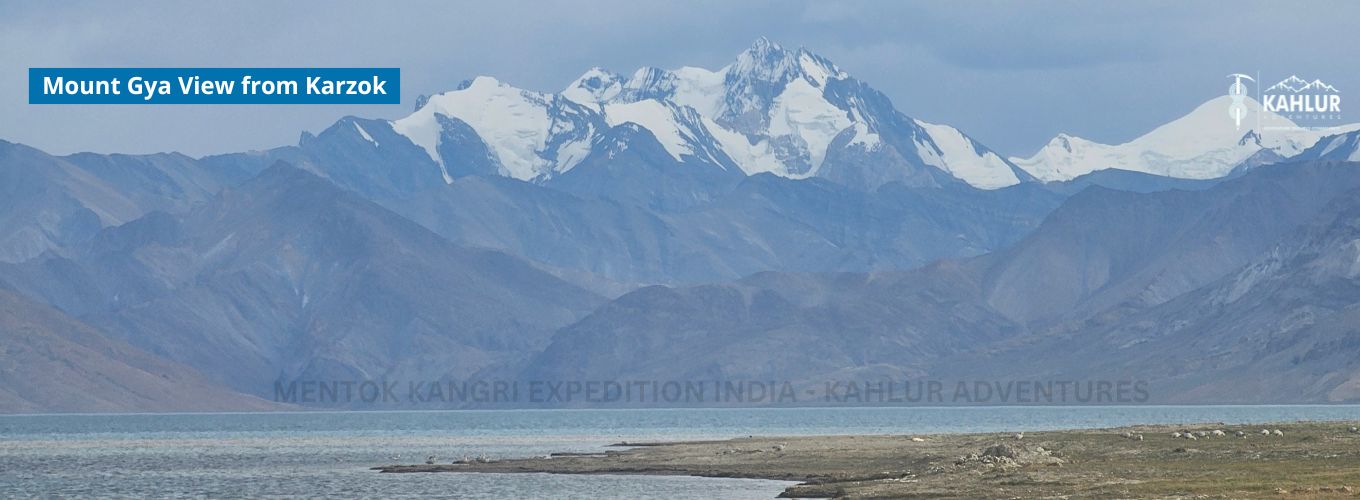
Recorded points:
(328, 454)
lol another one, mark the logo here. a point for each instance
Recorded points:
(1238, 92)
(1299, 99)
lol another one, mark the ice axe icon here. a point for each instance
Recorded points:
(1238, 92)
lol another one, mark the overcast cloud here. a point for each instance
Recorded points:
(1011, 75)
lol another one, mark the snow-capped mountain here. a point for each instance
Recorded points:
(532, 135)
(1340, 147)
(1204, 144)
(791, 113)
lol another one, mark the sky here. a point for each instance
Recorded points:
(1010, 74)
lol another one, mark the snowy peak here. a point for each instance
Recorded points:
(962, 157)
(768, 62)
(1203, 144)
(681, 131)
(764, 72)
(530, 135)
(1068, 143)
(764, 62)
(771, 110)
(650, 83)
(817, 69)
(594, 87)
(1207, 127)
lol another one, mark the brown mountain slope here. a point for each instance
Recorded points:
(49, 362)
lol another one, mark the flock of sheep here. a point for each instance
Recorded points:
(1197, 435)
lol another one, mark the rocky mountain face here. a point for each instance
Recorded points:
(1339, 147)
(763, 222)
(1107, 249)
(630, 212)
(55, 363)
(288, 277)
(1282, 328)
(49, 203)
(778, 327)
(1113, 286)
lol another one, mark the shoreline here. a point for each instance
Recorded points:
(1315, 459)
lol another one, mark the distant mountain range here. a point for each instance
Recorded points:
(791, 113)
(1113, 286)
(286, 275)
(776, 218)
(1200, 145)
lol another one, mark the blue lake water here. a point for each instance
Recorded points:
(329, 453)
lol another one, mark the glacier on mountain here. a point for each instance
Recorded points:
(773, 110)
(1204, 144)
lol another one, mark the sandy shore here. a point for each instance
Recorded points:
(1309, 460)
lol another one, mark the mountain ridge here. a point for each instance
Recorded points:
(1202, 144)
(944, 321)
(772, 110)
(288, 276)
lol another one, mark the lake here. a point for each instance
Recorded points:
(329, 453)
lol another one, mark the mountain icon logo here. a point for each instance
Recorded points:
(1297, 85)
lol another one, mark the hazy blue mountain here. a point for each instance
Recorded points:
(54, 363)
(287, 276)
(630, 212)
(1127, 180)
(762, 223)
(49, 203)
(776, 327)
(1281, 328)
(1106, 248)
(1102, 262)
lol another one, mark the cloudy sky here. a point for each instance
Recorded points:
(1010, 74)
